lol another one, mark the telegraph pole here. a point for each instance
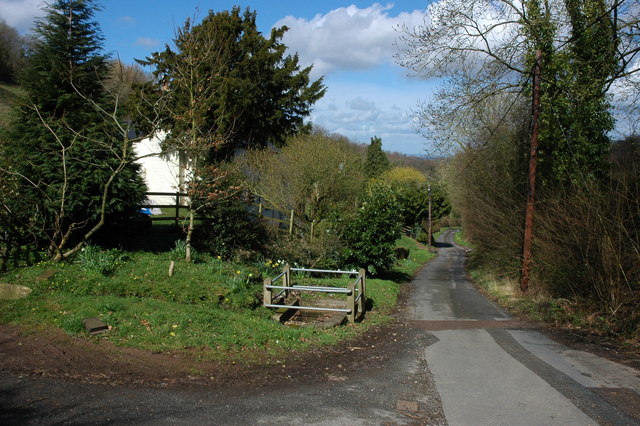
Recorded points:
(533, 157)
(430, 234)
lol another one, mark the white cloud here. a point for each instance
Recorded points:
(347, 38)
(361, 104)
(127, 20)
(349, 109)
(147, 42)
(20, 13)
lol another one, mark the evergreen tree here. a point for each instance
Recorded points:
(225, 86)
(255, 94)
(74, 166)
(377, 162)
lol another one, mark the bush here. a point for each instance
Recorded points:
(370, 233)
(321, 251)
(228, 229)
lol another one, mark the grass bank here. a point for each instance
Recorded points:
(538, 306)
(209, 307)
(9, 95)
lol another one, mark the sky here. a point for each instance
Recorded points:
(350, 43)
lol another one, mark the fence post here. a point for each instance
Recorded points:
(266, 300)
(363, 291)
(291, 223)
(177, 208)
(260, 210)
(287, 279)
(351, 301)
(313, 226)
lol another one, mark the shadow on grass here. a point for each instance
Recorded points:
(156, 238)
(395, 276)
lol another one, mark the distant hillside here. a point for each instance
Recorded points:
(9, 95)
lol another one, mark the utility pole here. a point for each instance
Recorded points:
(430, 234)
(533, 157)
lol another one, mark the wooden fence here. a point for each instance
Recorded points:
(284, 221)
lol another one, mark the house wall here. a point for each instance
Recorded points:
(160, 173)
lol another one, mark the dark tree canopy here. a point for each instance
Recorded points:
(576, 112)
(260, 94)
(377, 161)
(62, 149)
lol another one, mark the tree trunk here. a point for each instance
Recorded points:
(189, 233)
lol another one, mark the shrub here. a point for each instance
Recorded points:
(228, 229)
(321, 251)
(370, 233)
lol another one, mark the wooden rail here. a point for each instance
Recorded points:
(179, 196)
(284, 222)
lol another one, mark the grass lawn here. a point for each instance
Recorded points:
(9, 95)
(210, 307)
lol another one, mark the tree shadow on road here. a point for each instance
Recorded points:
(441, 244)
(395, 276)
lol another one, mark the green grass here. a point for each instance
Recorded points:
(209, 307)
(459, 239)
(9, 95)
(533, 306)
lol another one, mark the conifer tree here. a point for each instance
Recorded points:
(225, 86)
(377, 162)
(253, 92)
(67, 148)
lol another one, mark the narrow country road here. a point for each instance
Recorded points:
(491, 370)
(460, 361)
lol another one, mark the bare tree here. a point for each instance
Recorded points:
(188, 82)
(480, 49)
(311, 175)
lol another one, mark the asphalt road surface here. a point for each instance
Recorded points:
(462, 361)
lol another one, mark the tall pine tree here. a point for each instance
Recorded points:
(74, 165)
(377, 162)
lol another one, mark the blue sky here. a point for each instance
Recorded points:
(350, 43)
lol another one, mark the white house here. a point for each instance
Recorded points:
(161, 172)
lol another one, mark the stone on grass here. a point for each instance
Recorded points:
(13, 292)
(95, 325)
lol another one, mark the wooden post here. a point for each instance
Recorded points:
(291, 223)
(260, 210)
(177, 208)
(266, 300)
(533, 156)
(351, 302)
(430, 229)
(287, 279)
(364, 290)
